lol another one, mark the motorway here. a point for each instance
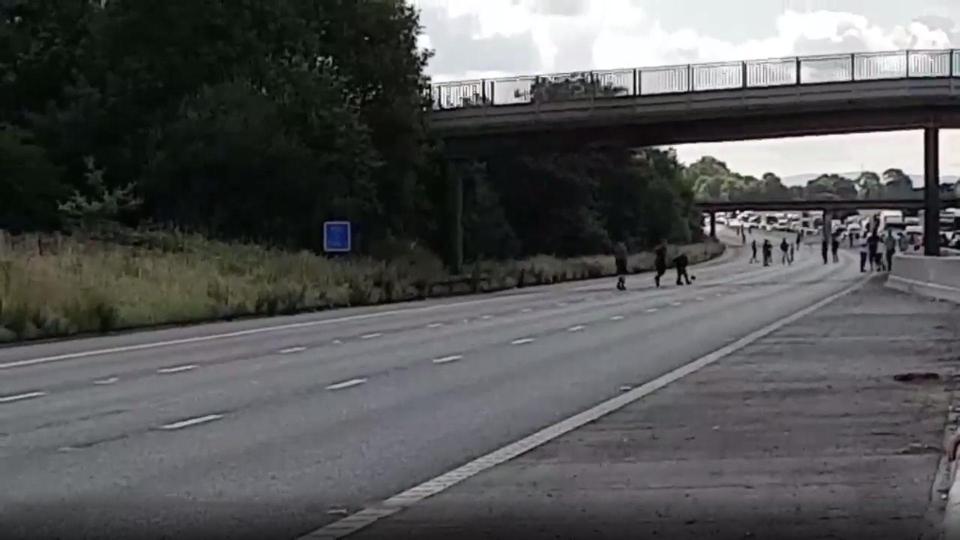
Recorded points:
(275, 428)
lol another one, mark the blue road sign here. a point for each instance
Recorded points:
(336, 237)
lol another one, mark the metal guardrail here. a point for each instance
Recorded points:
(609, 84)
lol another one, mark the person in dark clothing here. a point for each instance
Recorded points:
(799, 239)
(753, 258)
(660, 262)
(834, 247)
(784, 252)
(767, 252)
(873, 250)
(681, 262)
(620, 258)
(825, 251)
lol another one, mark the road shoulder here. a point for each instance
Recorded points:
(805, 433)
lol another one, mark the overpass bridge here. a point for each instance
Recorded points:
(723, 101)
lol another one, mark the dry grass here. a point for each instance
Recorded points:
(58, 286)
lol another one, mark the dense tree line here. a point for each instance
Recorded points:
(259, 120)
(714, 181)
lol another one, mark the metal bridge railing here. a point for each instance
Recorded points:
(611, 84)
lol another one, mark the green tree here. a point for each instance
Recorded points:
(29, 183)
(870, 186)
(897, 184)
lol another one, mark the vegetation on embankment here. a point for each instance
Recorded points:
(54, 286)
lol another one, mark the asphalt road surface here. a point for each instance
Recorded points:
(273, 428)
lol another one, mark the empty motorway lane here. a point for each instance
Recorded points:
(275, 428)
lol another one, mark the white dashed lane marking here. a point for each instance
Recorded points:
(21, 397)
(487, 317)
(107, 381)
(191, 422)
(617, 318)
(292, 350)
(375, 335)
(700, 299)
(578, 328)
(435, 325)
(523, 341)
(347, 384)
(652, 310)
(526, 310)
(448, 359)
(176, 369)
(676, 304)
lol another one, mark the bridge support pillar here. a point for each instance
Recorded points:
(931, 192)
(454, 255)
(713, 225)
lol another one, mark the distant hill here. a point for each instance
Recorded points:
(802, 179)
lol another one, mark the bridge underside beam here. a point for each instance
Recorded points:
(545, 137)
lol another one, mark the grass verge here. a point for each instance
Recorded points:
(55, 286)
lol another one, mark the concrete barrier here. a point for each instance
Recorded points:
(934, 277)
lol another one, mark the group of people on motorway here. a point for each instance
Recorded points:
(681, 262)
(787, 250)
(870, 253)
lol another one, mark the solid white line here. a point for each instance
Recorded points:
(176, 369)
(239, 333)
(371, 336)
(435, 325)
(21, 397)
(351, 524)
(292, 350)
(192, 422)
(448, 359)
(524, 341)
(578, 328)
(104, 382)
(346, 384)
(617, 318)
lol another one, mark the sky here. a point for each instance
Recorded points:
(496, 38)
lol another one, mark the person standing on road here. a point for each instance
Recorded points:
(799, 238)
(891, 248)
(864, 253)
(835, 247)
(681, 262)
(873, 245)
(620, 258)
(825, 250)
(753, 258)
(784, 252)
(660, 261)
(767, 252)
(790, 260)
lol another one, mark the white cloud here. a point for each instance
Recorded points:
(570, 35)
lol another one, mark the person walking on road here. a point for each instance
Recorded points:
(784, 252)
(681, 262)
(825, 251)
(799, 239)
(767, 252)
(660, 261)
(790, 260)
(620, 258)
(890, 245)
(753, 246)
(835, 247)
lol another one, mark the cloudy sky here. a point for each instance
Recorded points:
(492, 38)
